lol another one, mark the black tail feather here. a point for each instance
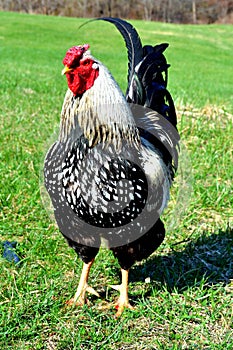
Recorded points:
(132, 41)
(147, 72)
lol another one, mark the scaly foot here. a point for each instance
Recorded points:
(123, 301)
(121, 305)
(79, 298)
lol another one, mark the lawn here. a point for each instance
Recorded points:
(183, 292)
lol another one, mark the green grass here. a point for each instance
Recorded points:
(188, 302)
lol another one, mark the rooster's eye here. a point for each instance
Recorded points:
(86, 62)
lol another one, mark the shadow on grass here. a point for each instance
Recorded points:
(211, 257)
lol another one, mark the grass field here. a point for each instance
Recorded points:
(188, 303)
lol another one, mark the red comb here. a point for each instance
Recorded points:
(75, 53)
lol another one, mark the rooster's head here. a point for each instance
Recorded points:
(80, 68)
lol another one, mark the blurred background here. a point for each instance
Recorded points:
(171, 11)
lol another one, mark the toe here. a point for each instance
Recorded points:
(121, 306)
(78, 302)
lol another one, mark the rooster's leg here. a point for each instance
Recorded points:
(79, 297)
(123, 300)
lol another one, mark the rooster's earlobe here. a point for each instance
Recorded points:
(95, 65)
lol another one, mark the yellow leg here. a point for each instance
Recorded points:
(79, 297)
(123, 301)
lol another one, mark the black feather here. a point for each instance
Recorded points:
(149, 84)
(141, 248)
(132, 41)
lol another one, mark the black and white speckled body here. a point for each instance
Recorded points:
(107, 169)
(85, 173)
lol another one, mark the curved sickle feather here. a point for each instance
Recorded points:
(132, 41)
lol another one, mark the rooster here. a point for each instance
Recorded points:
(109, 173)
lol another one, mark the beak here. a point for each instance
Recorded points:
(65, 70)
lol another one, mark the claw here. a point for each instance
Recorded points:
(92, 291)
(72, 302)
(116, 287)
(120, 306)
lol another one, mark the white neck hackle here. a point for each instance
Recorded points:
(101, 112)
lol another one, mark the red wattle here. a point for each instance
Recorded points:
(80, 80)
